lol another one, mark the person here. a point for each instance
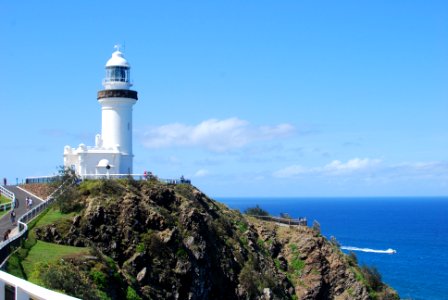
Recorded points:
(26, 203)
(13, 216)
(4, 181)
(30, 202)
(6, 235)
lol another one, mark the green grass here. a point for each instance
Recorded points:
(3, 199)
(278, 264)
(52, 216)
(27, 259)
(242, 227)
(296, 264)
(44, 253)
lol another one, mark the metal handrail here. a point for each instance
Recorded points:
(27, 290)
(138, 177)
(10, 195)
(300, 221)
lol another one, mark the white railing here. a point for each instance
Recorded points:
(25, 290)
(8, 194)
(135, 177)
(112, 176)
(149, 176)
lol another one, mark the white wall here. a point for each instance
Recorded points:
(116, 123)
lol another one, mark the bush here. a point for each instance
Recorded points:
(99, 278)
(64, 277)
(372, 277)
(247, 278)
(242, 226)
(66, 197)
(352, 259)
(253, 279)
(296, 265)
(256, 211)
(131, 294)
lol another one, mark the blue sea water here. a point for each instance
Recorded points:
(417, 228)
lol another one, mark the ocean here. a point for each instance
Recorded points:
(417, 228)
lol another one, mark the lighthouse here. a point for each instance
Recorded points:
(112, 153)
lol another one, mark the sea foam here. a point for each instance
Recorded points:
(388, 251)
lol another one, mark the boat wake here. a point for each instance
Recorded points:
(388, 251)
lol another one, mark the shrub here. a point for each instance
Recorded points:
(154, 246)
(242, 226)
(293, 247)
(247, 278)
(181, 253)
(66, 278)
(99, 278)
(131, 294)
(253, 279)
(278, 264)
(297, 266)
(140, 247)
(352, 259)
(372, 277)
(256, 211)
(67, 200)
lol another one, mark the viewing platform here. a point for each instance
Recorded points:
(286, 221)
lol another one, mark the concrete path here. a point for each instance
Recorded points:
(5, 221)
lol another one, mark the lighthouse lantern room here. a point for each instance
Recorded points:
(112, 153)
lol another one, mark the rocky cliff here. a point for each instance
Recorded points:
(157, 241)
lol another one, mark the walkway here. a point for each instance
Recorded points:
(5, 222)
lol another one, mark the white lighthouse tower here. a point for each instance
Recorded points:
(112, 153)
(116, 105)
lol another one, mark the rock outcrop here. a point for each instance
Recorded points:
(173, 242)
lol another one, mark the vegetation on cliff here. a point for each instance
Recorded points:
(148, 240)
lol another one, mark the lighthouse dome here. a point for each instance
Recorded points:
(117, 60)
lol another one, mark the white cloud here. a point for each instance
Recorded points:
(334, 168)
(357, 164)
(368, 168)
(215, 135)
(420, 169)
(291, 171)
(201, 173)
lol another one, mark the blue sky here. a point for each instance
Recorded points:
(246, 98)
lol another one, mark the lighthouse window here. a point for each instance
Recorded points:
(117, 74)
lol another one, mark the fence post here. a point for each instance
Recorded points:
(2, 290)
(21, 294)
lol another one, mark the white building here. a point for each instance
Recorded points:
(112, 153)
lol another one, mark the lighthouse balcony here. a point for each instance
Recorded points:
(117, 93)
